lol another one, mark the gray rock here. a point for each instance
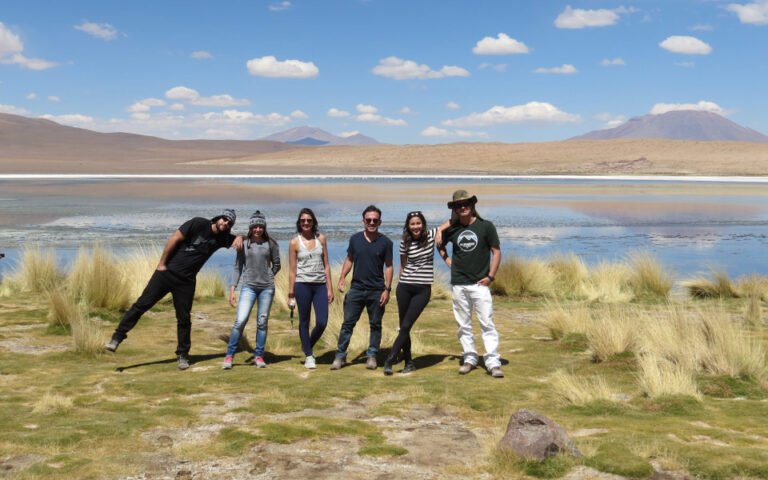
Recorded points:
(534, 436)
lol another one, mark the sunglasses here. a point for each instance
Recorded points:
(459, 206)
(305, 220)
(229, 222)
(416, 213)
(371, 221)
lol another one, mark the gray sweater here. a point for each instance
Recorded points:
(257, 264)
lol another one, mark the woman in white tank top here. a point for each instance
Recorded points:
(309, 281)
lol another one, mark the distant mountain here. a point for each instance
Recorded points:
(316, 136)
(679, 125)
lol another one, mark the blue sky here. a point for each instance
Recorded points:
(401, 71)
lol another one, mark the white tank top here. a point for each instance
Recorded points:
(309, 263)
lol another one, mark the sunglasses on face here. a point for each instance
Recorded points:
(228, 221)
(305, 220)
(371, 221)
(459, 206)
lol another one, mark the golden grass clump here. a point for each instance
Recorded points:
(659, 377)
(732, 350)
(580, 391)
(37, 271)
(209, 284)
(648, 278)
(612, 332)
(51, 403)
(97, 278)
(609, 283)
(521, 277)
(753, 286)
(570, 275)
(720, 286)
(673, 334)
(754, 310)
(562, 320)
(61, 308)
(138, 266)
(86, 333)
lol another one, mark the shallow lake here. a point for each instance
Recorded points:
(690, 226)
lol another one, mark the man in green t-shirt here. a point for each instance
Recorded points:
(475, 258)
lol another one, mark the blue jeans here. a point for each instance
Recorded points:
(249, 296)
(354, 302)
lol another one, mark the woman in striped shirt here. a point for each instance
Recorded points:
(417, 272)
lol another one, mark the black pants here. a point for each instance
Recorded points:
(160, 285)
(412, 298)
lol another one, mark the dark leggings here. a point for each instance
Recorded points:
(412, 298)
(307, 296)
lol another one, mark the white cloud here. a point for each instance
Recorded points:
(299, 114)
(74, 119)
(503, 44)
(499, 67)
(11, 48)
(336, 113)
(192, 96)
(611, 121)
(271, 67)
(145, 105)
(433, 131)
(28, 63)
(176, 107)
(53, 98)
(201, 55)
(703, 106)
(565, 69)
(406, 110)
(685, 45)
(32, 96)
(103, 31)
(702, 27)
(10, 43)
(362, 108)
(530, 112)
(755, 13)
(399, 69)
(452, 106)
(613, 62)
(220, 133)
(349, 134)
(280, 6)
(578, 18)
(12, 109)
(241, 117)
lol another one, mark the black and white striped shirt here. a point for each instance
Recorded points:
(420, 262)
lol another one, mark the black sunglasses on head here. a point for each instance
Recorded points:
(415, 213)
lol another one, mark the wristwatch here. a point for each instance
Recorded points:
(389, 289)
(491, 277)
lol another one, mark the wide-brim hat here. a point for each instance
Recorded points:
(462, 196)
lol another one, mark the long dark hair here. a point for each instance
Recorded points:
(307, 211)
(408, 236)
(455, 218)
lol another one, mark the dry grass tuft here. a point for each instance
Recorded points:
(580, 391)
(612, 332)
(87, 338)
(659, 377)
(52, 403)
(97, 278)
(731, 348)
(61, 309)
(754, 313)
(209, 284)
(562, 320)
(609, 283)
(520, 277)
(720, 286)
(138, 266)
(649, 279)
(37, 271)
(570, 275)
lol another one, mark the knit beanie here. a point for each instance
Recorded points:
(257, 218)
(229, 214)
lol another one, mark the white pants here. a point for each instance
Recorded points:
(478, 298)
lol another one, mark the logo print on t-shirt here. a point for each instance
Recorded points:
(467, 241)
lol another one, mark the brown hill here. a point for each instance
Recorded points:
(39, 146)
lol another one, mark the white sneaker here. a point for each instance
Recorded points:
(310, 363)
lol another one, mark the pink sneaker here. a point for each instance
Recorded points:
(227, 362)
(259, 362)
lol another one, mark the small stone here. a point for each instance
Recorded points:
(535, 436)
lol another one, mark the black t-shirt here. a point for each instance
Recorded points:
(197, 247)
(471, 251)
(369, 259)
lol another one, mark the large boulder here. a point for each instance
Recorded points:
(534, 436)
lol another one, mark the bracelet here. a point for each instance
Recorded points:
(491, 277)
(389, 289)
(290, 295)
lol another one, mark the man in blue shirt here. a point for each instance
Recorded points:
(370, 252)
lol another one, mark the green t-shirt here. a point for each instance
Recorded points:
(471, 251)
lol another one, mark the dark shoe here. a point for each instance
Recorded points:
(112, 345)
(338, 363)
(497, 373)
(371, 363)
(409, 367)
(183, 362)
(387, 368)
(466, 368)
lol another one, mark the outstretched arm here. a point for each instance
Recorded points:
(170, 246)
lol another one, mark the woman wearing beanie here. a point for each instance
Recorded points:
(255, 268)
(309, 281)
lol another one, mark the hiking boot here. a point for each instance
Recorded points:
(371, 363)
(409, 367)
(227, 362)
(338, 363)
(309, 362)
(387, 368)
(259, 362)
(111, 346)
(466, 368)
(497, 373)
(183, 362)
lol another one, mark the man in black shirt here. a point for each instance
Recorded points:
(184, 254)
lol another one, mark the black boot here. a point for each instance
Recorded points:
(388, 367)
